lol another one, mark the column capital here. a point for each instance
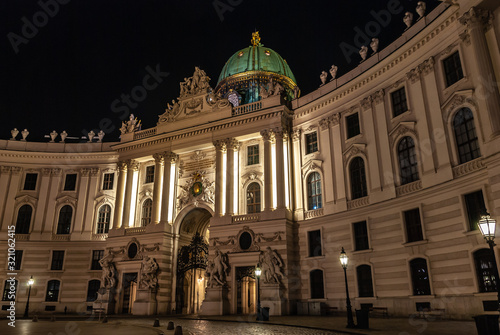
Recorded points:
(233, 144)
(477, 16)
(56, 172)
(85, 172)
(427, 66)
(220, 145)
(334, 119)
(46, 171)
(5, 170)
(268, 135)
(296, 134)
(378, 96)
(366, 103)
(158, 157)
(169, 157)
(16, 170)
(132, 165)
(94, 172)
(122, 166)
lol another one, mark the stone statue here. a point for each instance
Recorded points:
(408, 19)
(216, 269)
(271, 266)
(333, 72)
(100, 135)
(263, 92)
(296, 92)
(149, 273)
(363, 52)
(14, 133)
(108, 271)
(270, 88)
(64, 134)
(374, 45)
(278, 89)
(323, 76)
(130, 126)
(53, 136)
(24, 134)
(92, 135)
(421, 7)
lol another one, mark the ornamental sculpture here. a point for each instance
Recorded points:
(271, 264)
(217, 270)
(408, 19)
(363, 52)
(198, 83)
(198, 188)
(421, 7)
(108, 271)
(374, 44)
(131, 125)
(149, 273)
(322, 77)
(333, 72)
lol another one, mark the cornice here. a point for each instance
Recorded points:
(51, 156)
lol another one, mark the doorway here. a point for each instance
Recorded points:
(129, 291)
(246, 290)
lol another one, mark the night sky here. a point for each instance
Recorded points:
(70, 69)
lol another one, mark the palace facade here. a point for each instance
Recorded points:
(395, 161)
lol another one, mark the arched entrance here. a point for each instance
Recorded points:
(192, 261)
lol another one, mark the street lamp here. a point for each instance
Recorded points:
(31, 281)
(487, 226)
(343, 261)
(258, 272)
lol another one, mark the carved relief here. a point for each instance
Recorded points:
(378, 96)
(149, 273)
(427, 66)
(457, 101)
(413, 75)
(296, 134)
(217, 270)
(477, 16)
(402, 129)
(465, 37)
(335, 119)
(366, 103)
(272, 265)
(250, 176)
(323, 124)
(198, 188)
(354, 150)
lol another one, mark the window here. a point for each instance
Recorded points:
(30, 181)
(407, 160)
(352, 122)
(420, 277)
(365, 284)
(485, 272)
(413, 225)
(70, 182)
(398, 99)
(19, 257)
(253, 154)
(8, 293)
(92, 289)
(24, 219)
(150, 174)
(57, 260)
(64, 223)
(52, 290)
(314, 191)
(361, 235)
(474, 203)
(358, 178)
(453, 69)
(314, 238)
(147, 208)
(311, 143)
(253, 198)
(317, 285)
(465, 135)
(97, 255)
(108, 180)
(103, 219)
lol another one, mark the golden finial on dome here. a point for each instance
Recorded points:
(255, 39)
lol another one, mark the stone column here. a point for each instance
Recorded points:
(370, 125)
(39, 211)
(220, 150)
(297, 168)
(132, 166)
(232, 147)
(50, 222)
(81, 201)
(120, 193)
(169, 159)
(4, 185)
(8, 218)
(338, 163)
(324, 138)
(157, 188)
(477, 21)
(269, 139)
(279, 169)
(91, 193)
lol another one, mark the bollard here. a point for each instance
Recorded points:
(157, 323)
(53, 318)
(105, 319)
(170, 325)
(35, 319)
(178, 330)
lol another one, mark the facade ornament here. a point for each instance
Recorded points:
(220, 145)
(197, 188)
(91, 136)
(427, 66)
(122, 166)
(421, 7)
(333, 72)
(374, 44)
(5, 169)
(473, 16)
(171, 112)
(131, 125)
(408, 19)
(14, 133)
(233, 144)
(363, 52)
(132, 165)
(64, 134)
(335, 119)
(323, 77)
(217, 269)
(276, 237)
(85, 172)
(94, 172)
(46, 171)
(465, 37)
(366, 103)
(16, 170)
(108, 271)
(24, 134)
(271, 264)
(56, 172)
(198, 156)
(296, 92)
(296, 134)
(198, 83)
(324, 123)
(378, 96)
(413, 75)
(100, 135)
(53, 136)
(158, 158)
(268, 135)
(149, 273)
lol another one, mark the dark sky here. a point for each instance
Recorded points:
(64, 70)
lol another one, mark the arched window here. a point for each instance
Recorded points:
(314, 191)
(420, 277)
(92, 289)
(24, 219)
(365, 284)
(147, 209)
(103, 219)
(407, 160)
(465, 135)
(253, 198)
(52, 290)
(317, 285)
(64, 223)
(358, 178)
(485, 272)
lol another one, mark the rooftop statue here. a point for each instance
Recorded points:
(333, 72)
(421, 7)
(408, 19)
(323, 77)
(363, 52)
(374, 44)
(131, 125)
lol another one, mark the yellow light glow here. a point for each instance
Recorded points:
(235, 183)
(274, 172)
(224, 172)
(285, 158)
(171, 192)
(133, 199)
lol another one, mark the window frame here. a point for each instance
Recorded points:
(100, 223)
(347, 127)
(371, 281)
(94, 261)
(253, 155)
(58, 295)
(313, 144)
(96, 291)
(405, 225)
(413, 275)
(469, 141)
(351, 182)
(465, 207)
(309, 194)
(105, 182)
(411, 166)
(60, 262)
(259, 204)
(31, 173)
(316, 284)
(66, 181)
(356, 237)
(392, 104)
(481, 283)
(70, 222)
(150, 209)
(319, 241)
(30, 220)
(445, 74)
(148, 176)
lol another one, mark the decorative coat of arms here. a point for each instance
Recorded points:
(198, 188)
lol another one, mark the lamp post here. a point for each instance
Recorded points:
(31, 281)
(258, 272)
(487, 226)
(343, 261)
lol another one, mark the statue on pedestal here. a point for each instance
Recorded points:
(408, 19)
(421, 7)
(108, 271)
(216, 270)
(374, 44)
(323, 77)
(363, 52)
(333, 72)
(149, 273)
(271, 266)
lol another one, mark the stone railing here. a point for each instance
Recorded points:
(313, 214)
(357, 203)
(99, 237)
(408, 188)
(246, 218)
(466, 168)
(22, 237)
(56, 237)
(135, 230)
(144, 133)
(248, 108)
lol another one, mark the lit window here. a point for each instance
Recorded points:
(52, 290)
(253, 198)
(314, 191)
(253, 154)
(311, 143)
(147, 209)
(485, 270)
